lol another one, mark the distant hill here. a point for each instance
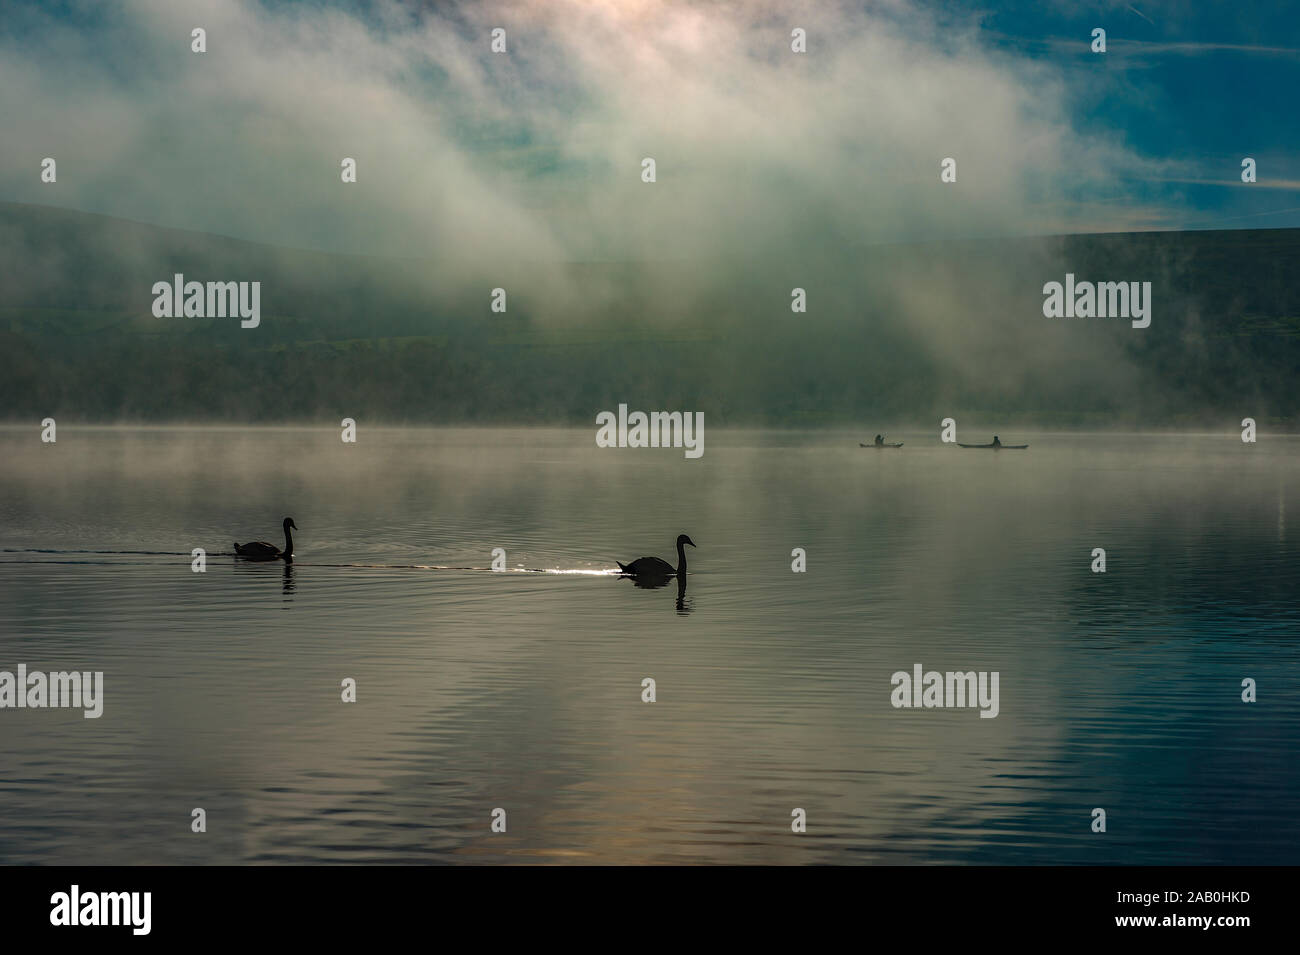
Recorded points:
(899, 334)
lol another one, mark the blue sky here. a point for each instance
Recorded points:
(1203, 83)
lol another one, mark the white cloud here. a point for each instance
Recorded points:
(466, 156)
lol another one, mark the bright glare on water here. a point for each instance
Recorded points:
(522, 690)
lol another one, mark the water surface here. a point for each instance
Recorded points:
(522, 689)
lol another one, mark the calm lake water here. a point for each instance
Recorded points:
(522, 690)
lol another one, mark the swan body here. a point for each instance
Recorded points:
(648, 566)
(261, 550)
(656, 566)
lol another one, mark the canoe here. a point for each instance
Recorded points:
(899, 445)
(995, 447)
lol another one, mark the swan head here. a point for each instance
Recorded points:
(288, 523)
(683, 539)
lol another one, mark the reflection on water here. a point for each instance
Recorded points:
(651, 582)
(522, 688)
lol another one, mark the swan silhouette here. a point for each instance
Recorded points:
(261, 550)
(657, 567)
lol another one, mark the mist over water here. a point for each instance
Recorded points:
(477, 231)
(522, 689)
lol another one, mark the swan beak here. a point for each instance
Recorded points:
(691, 542)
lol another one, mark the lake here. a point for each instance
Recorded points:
(522, 689)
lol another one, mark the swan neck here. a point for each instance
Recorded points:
(288, 543)
(681, 559)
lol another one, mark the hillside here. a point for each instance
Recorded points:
(900, 334)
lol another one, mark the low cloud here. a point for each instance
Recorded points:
(466, 157)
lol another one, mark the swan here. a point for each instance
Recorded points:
(261, 550)
(656, 567)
